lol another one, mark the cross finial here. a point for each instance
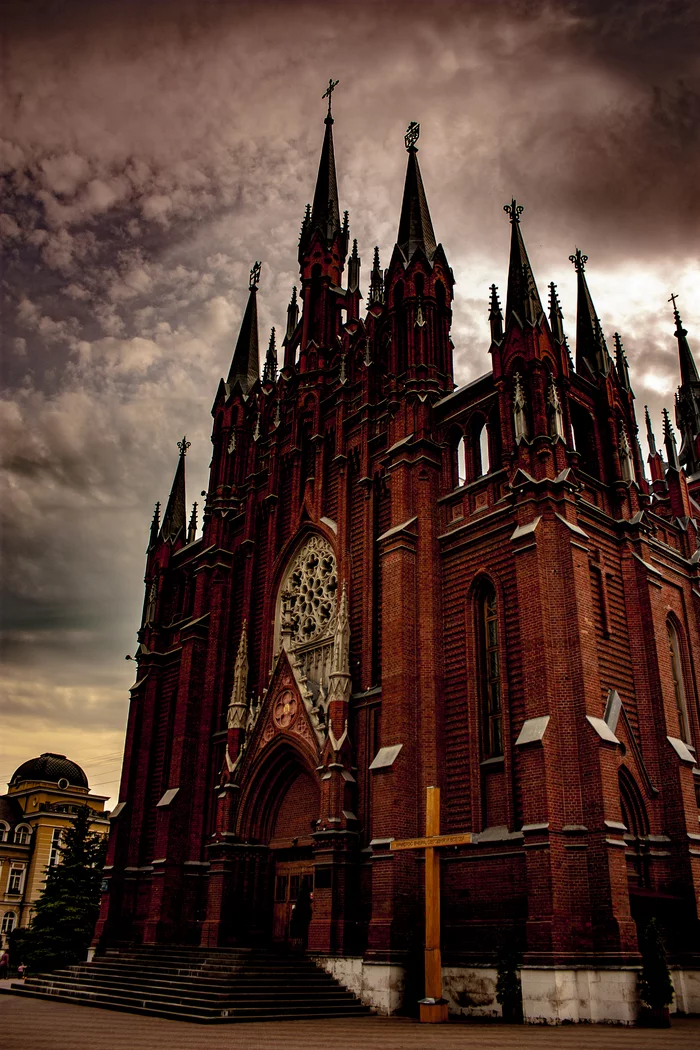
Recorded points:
(579, 260)
(328, 93)
(411, 136)
(183, 446)
(254, 276)
(514, 209)
(676, 315)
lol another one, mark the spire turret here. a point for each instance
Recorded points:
(354, 269)
(192, 527)
(622, 364)
(245, 366)
(523, 299)
(376, 281)
(556, 317)
(155, 526)
(292, 315)
(173, 527)
(651, 439)
(495, 316)
(592, 355)
(670, 443)
(689, 371)
(415, 224)
(270, 369)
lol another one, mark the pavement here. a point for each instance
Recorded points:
(34, 1024)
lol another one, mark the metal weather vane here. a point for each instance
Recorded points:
(579, 260)
(411, 136)
(328, 93)
(183, 446)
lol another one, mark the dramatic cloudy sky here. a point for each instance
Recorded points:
(151, 151)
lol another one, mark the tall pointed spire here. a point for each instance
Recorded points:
(415, 224)
(689, 371)
(325, 210)
(270, 369)
(174, 519)
(670, 443)
(495, 316)
(651, 439)
(622, 364)
(556, 317)
(245, 366)
(523, 299)
(591, 349)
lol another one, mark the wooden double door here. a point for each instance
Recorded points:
(290, 876)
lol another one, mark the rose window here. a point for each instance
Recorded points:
(309, 594)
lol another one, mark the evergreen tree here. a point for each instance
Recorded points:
(65, 915)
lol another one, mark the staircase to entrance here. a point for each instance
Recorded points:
(204, 985)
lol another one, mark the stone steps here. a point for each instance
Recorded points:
(178, 983)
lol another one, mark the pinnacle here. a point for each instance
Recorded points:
(522, 299)
(415, 225)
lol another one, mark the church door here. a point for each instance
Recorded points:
(289, 876)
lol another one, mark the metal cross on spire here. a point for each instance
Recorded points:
(675, 309)
(255, 276)
(328, 93)
(411, 136)
(183, 446)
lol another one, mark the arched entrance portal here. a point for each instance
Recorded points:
(291, 848)
(278, 817)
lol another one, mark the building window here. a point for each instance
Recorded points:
(55, 853)
(678, 687)
(14, 884)
(492, 712)
(4, 831)
(8, 922)
(22, 835)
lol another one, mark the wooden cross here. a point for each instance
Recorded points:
(433, 1009)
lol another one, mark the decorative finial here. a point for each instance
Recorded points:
(514, 209)
(375, 262)
(328, 93)
(354, 248)
(255, 276)
(651, 439)
(411, 136)
(670, 443)
(346, 219)
(579, 260)
(183, 446)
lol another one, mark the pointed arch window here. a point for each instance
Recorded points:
(490, 674)
(678, 684)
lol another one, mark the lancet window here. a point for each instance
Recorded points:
(490, 674)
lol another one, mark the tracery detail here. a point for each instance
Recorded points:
(309, 594)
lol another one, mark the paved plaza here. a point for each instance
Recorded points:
(31, 1024)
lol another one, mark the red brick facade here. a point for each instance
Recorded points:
(508, 628)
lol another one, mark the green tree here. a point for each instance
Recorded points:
(508, 987)
(65, 915)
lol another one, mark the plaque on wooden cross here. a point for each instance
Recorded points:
(433, 1008)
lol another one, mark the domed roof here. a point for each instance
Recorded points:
(52, 768)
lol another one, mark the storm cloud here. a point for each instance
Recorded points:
(151, 151)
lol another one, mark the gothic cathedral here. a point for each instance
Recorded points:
(400, 584)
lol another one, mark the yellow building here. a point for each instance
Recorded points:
(42, 797)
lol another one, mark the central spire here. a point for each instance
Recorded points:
(325, 211)
(415, 224)
(522, 299)
(689, 371)
(245, 366)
